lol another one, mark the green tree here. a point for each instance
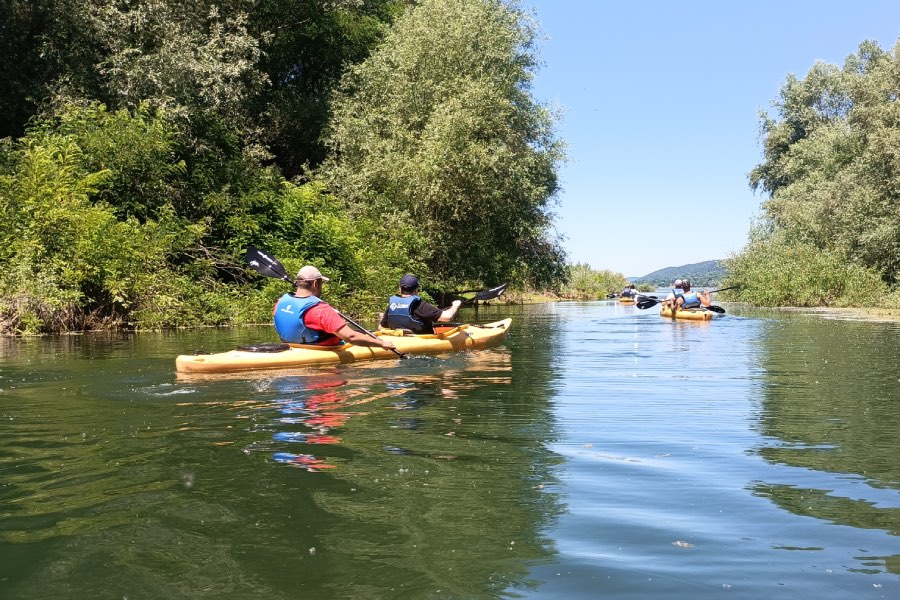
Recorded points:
(306, 46)
(585, 283)
(437, 128)
(831, 167)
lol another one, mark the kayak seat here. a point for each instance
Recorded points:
(265, 347)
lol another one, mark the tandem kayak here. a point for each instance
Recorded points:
(276, 356)
(690, 314)
(626, 299)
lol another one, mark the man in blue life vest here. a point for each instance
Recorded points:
(301, 318)
(683, 297)
(407, 310)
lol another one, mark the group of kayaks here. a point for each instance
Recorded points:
(453, 339)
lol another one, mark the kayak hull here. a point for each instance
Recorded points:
(464, 337)
(626, 300)
(688, 314)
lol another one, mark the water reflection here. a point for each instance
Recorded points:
(830, 410)
(317, 405)
(120, 479)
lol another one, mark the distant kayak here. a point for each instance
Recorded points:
(275, 356)
(626, 299)
(690, 314)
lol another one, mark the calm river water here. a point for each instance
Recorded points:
(601, 452)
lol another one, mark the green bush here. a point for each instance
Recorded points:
(584, 283)
(775, 272)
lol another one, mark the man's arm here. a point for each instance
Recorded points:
(449, 313)
(352, 336)
(705, 298)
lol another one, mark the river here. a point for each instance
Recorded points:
(601, 452)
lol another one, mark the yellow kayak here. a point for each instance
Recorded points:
(691, 314)
(462, 337)
(626, 299)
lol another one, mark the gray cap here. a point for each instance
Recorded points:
(310, 273)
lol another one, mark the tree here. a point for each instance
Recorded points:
(306, 47)
(831, 162)
(438, 127)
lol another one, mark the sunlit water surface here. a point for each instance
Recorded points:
(601, 452)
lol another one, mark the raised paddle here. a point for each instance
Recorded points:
(485, 295)
(269, 266)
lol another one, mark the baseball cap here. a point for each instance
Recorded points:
(409, 282)
(310, 273)
(678, 283)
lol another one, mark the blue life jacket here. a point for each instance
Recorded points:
(399, 314)
(691, 300)
(289, 323)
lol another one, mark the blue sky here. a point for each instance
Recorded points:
(660, 108)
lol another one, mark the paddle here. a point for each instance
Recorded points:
(269, 266)
(485, 295)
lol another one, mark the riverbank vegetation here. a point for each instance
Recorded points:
(829, 232)
(144, 146)
(147, 145)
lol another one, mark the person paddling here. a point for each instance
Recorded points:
(300, 317)
(629, 291)
(686, 298)
(407, 310)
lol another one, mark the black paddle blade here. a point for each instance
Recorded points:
(266, 264)
(645, 303)
(489, 294)
(715, 309)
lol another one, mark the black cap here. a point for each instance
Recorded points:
(409, 282)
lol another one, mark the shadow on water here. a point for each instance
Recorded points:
(420, 478)
(829, 410)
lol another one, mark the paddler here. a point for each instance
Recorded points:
(407, 310)
(300, 317)
(686, 298)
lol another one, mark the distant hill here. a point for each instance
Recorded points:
(702, 274)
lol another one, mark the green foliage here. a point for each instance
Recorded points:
(437, 128)
(139, 214)
(831, 163)
(584, 283)
(777, 272)
(306, 47)
(138, 151)
(77, 261)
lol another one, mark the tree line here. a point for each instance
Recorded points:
(829, 230)
(145, 145)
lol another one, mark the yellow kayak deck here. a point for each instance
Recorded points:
(690, 314)
(462, 337)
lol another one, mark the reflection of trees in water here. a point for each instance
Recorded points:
(830, 405)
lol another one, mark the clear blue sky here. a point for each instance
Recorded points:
(661, 102)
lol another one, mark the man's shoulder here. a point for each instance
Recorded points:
(427, 310)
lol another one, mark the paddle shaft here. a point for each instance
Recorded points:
(733, 287)
(367, 332)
